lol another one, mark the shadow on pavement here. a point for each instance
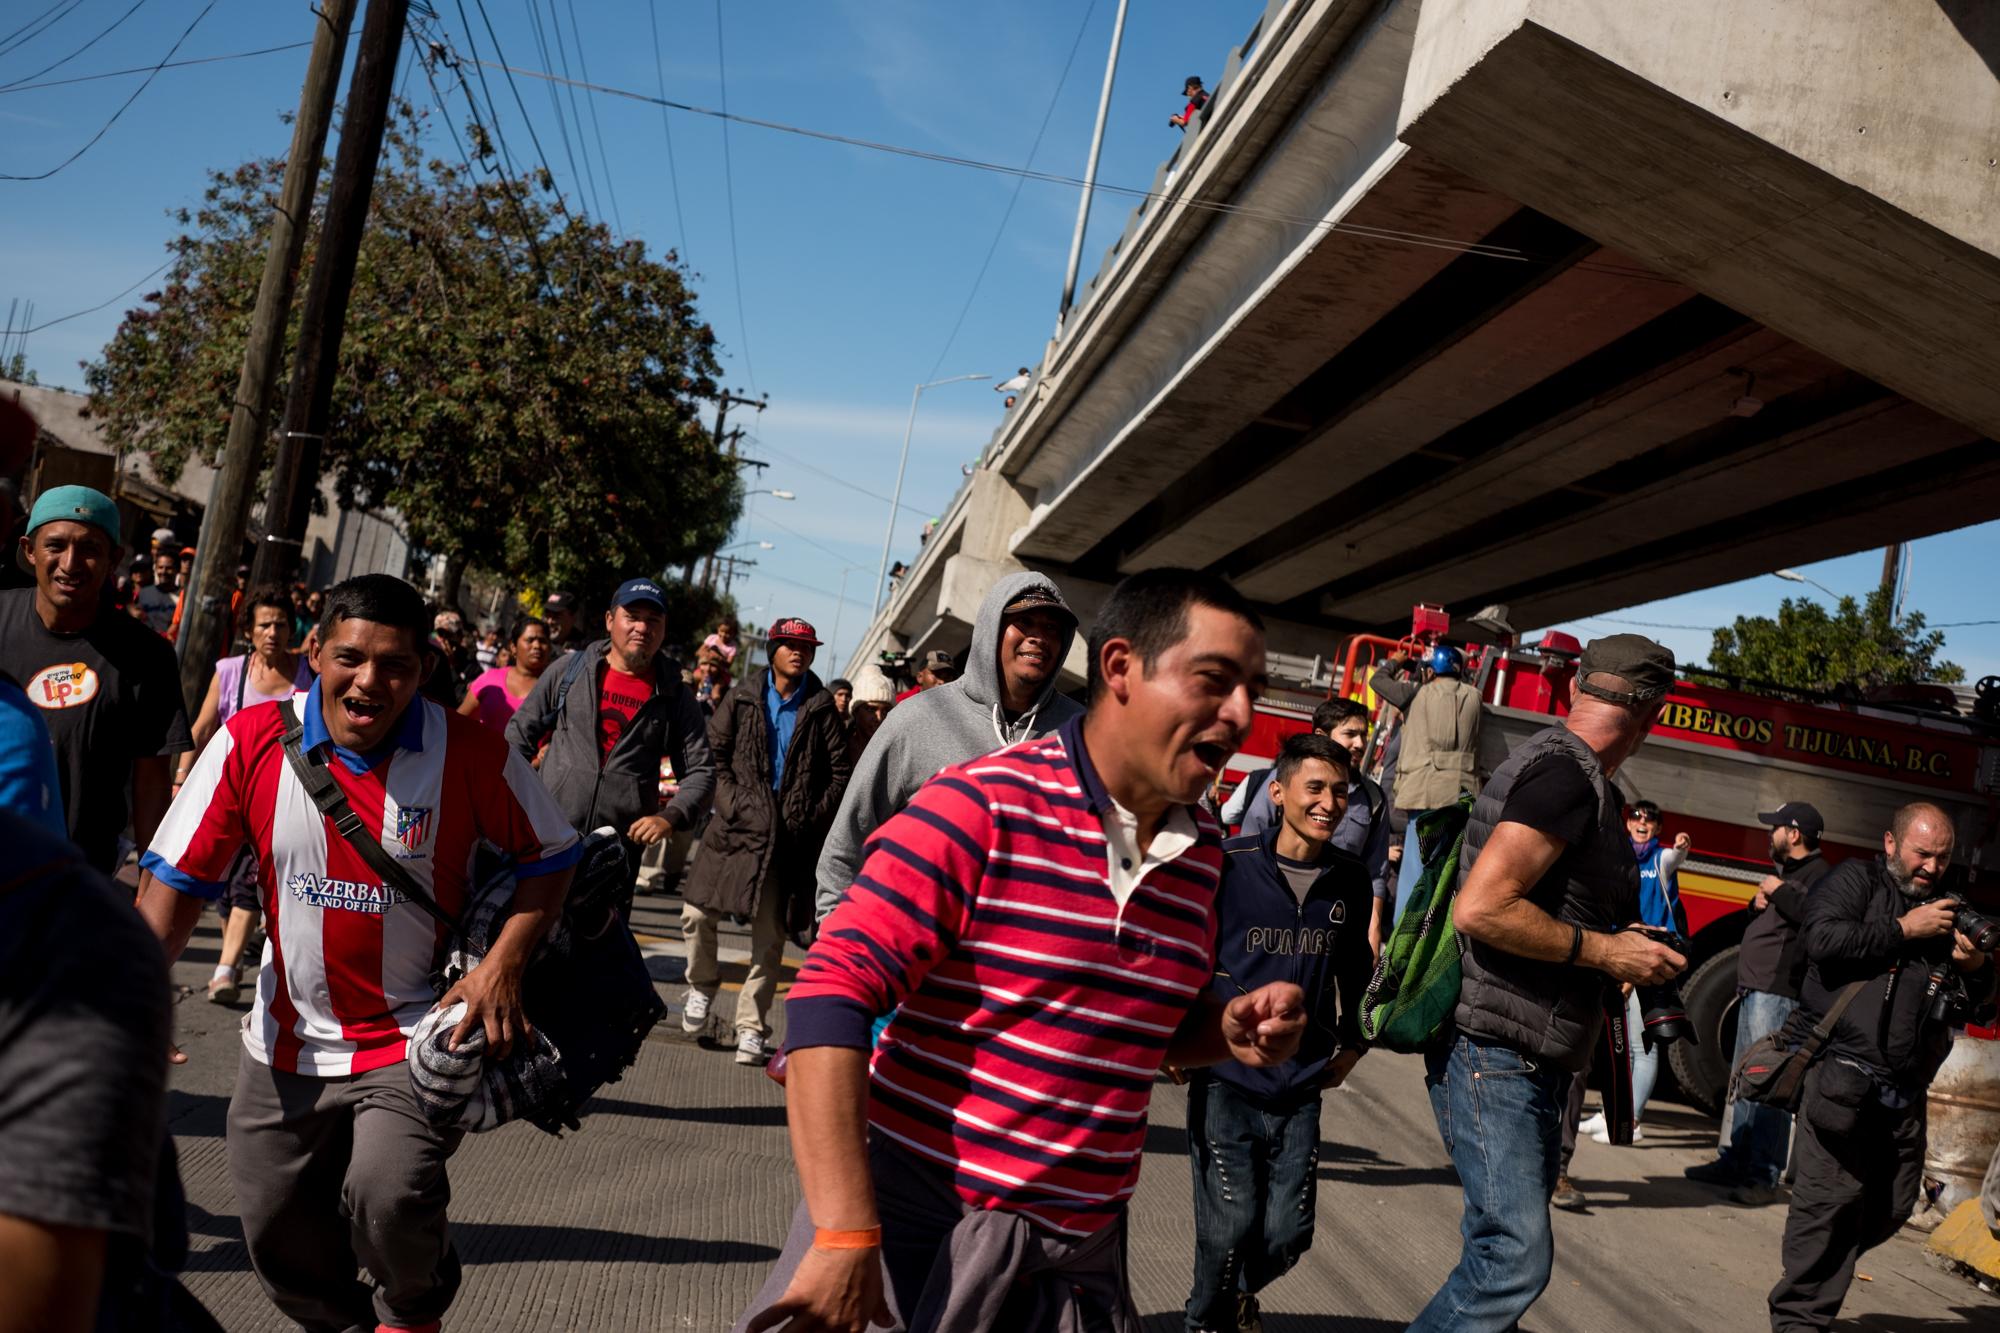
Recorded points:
(707, 1115)
(196, 1114)
(510, 1242)
(1174, 1321)
(1391, 1173)
(1652, 1192)
(1964, 1316)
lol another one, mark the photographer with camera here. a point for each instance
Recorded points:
(1918, 964)
(1545, 910)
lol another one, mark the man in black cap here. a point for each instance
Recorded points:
(1547, 888)
(559, 612)
(1769, 970)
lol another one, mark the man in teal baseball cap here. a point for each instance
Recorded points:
(108, 688)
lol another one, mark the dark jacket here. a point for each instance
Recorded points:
(1550, 1011)
(626, 784)
(1854, 933)
(1265, 934)
(1773, 957)
(761, 839)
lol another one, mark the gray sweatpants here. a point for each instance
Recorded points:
(334, 1175)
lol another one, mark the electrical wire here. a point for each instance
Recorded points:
(596, 130)
(837, 480)
(673, 176)
(1414, 238)
(819, 546)
(123, 107)
(21, 36)
(147, 69)
(807, 587)
(137, 5)
(1020, 183)
(729, 200)
(562, 55)
(79, 314)
(555, 93)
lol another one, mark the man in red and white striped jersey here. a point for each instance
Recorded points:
(334, 1165)
(1041, 920)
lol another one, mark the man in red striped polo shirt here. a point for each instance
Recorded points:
(334, 1165)
(1041, 921)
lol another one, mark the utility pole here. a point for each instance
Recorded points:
(722, 405)
(1090, 170)
(324, 318)
(205, 630)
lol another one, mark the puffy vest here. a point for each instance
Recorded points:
(1549, 1011)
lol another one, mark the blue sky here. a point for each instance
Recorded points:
(853, 266)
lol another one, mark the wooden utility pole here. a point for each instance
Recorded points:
(205, 628)
(323, 319)
(722, 406)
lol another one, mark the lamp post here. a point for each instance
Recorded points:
(896, 500)
(1793, 576)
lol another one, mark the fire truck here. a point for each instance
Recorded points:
(1715, 758)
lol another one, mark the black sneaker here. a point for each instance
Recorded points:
(1754, 1196)
(1717, 1172)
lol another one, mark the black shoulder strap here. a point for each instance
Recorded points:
(332, 802)
(1823, 1030)
(569, 676)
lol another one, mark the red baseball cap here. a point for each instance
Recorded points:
(795, 630)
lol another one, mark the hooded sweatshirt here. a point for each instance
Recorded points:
(934, 730)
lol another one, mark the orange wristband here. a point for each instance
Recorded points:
(867, 1238)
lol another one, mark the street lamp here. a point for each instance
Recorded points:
(779, 495)
(762, 546)
(896, 500)
(1793, 576)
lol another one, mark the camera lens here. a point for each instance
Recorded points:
(1982, 930)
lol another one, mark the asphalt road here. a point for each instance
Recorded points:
(666, 1209)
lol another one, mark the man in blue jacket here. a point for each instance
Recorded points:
(1292, 907)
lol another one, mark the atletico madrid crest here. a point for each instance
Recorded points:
(413, 826)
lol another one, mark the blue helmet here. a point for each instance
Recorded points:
(1447, 661)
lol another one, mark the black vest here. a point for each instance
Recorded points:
(1550, 1011)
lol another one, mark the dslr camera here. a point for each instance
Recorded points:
(1982, 930)
(1662, 1014)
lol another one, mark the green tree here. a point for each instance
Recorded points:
(1861, 645)
(517, 384)
(15, 368)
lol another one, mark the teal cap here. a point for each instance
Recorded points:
(77, 504)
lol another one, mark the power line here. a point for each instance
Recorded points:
(79, 314)
(787, 528)
(673, 176)
(555, 93)
(1020, 183)
(1415, 238)
(21, 36)
(137, 5)
(729, 199)
(147, 69)
(596, 130)
(807, 587)
(837, 480)
(562, 55)
(136, 92)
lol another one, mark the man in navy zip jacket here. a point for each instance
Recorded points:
(1292, 907)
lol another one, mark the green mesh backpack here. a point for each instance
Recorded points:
(1415, 986)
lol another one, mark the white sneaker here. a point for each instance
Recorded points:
(694, 1011)
(1595, 1127)
(750, 1047)
(1603, 1133)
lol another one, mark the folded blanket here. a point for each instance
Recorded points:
(465, 1089)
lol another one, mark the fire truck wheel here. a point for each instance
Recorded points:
(1710, 996)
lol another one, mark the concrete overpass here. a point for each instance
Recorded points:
(1554, 303)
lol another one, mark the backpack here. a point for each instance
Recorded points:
(1410, 999)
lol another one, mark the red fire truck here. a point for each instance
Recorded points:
(1715, 758)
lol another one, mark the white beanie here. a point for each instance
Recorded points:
(872, 687)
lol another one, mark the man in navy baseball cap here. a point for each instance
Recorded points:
(639, 592)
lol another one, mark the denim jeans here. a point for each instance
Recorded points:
(1255, 1184)
(1759, 1136)
(1500, 1115)
(1645, 1063)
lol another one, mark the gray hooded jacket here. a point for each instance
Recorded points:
(934, 730)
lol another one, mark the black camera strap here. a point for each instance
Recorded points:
(332, 802)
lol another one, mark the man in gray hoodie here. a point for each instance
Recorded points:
(1006, 694)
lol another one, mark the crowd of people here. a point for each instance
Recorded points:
(1020, 905)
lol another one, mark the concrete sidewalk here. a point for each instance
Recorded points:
(666, 1209)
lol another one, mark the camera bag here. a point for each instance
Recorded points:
(1773, 1071)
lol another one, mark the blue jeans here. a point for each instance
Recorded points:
(1759, 1135)
(1645, 1063)
(1500, 1115)
(1255, 1186)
